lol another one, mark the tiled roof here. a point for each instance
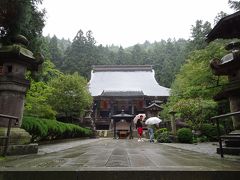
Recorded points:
(126, 79)
(122, 93)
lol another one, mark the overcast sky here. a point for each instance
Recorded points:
(128, 22)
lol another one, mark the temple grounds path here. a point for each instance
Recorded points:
(107, 153)
(117, 155)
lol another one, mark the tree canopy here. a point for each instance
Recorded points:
(21, 17)
(70, 96)
(194, 87)
(234, 5)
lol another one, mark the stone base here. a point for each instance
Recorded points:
(230, 150)
(116, 174)
(21, 149)
(232, 143)
(18, 136)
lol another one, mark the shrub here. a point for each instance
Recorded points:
(210, 131)
(185, 135)
(203, 139)
(162, 135)
(41, 129)
(36, 128)
(158, 132)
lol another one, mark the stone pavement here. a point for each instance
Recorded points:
(109, 153)
(105, 158)
(206, 147)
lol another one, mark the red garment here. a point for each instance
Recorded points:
(140, 131)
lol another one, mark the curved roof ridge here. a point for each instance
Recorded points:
(131, 82)
(100, 68)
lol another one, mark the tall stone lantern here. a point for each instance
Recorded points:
(228, 28)
(173, 122)
(15, 60)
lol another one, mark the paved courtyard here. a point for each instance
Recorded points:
(118, 154)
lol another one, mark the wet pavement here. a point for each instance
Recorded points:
(109, 154)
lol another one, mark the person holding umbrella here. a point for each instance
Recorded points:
(151, 122)
(151, 133)
(139, 128)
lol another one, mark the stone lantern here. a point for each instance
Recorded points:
(173, 121)
(228, 28)
(229, 66)
(15, 60)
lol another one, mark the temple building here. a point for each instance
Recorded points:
(123, 89)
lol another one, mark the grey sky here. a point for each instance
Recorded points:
(128, 22)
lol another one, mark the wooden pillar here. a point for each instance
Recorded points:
(114, 129)
(132, 103)
(131, 136)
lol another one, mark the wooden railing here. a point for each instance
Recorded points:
(218, 129)
(7, 137)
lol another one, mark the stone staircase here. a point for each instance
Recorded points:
(231, 143)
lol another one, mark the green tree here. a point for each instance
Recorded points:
(70, 95)
(63, 44)
(234, 5)
(120, 56)
(167, 58)
(198, 34)
(37, 101)
(81, 55)
(195, 85)
(55, 52)
(21, 17)
(48, 71)
(219, 16)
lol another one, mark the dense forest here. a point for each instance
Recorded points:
(182, 65)
(79, 55)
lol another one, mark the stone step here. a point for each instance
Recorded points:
(231, 136)
(232, 143)
(230, 150)
(3, 137)
(20, 149)
(117, 174)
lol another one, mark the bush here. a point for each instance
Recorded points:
(162, 135)
(41, 129)
(200, 139)
(185, 135)
(36, 128)
(159, 131)
(210, 131)
(203, 139)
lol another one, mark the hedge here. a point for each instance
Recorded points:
(185, 135)
(47, 129)
(210, 131)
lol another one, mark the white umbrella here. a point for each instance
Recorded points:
(153, 120)
(138, 117)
